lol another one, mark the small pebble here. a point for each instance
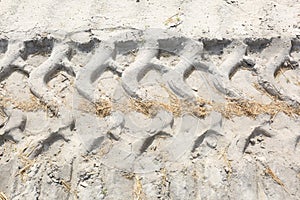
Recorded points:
(211, 142)
(260, 139)
(252, 141)
(84, 184)
(227, 169)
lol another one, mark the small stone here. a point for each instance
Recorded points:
(260, 139)
(249, 61)
(252, 141)
(248, 151)
(211, 142)
(55, 180)
(84, 184)
(227, 169)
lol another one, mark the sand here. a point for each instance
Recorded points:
(149, 99)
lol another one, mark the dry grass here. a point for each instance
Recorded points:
(229, 109)
(174, 19)
(66, 185)
(199, 108)
(33, 104)
(103, 108)
(27, 163)
(68, 188)
(138, 193)
(165, 184)
(128, 175)
(250, 108)
(164, 176)
(3, 196)
(144, 107)
(150, 107)
(175, 105)
(224, 154)
(275, 178)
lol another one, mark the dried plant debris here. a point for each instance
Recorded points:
(103, 107)
(249, 108)
(138, 189)
(27, 163)
(175, 105)
(228, 169)
(145, 107)
(3, 196)
(31, 105)
(202, 108)
(199, 108)
(66, 185)
(269, 172)
(165, 184)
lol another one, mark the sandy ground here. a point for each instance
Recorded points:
(214, 19)
(149, 99)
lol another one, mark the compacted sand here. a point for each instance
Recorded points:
(149, 99)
